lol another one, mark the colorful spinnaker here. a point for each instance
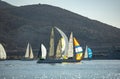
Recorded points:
(78, 50)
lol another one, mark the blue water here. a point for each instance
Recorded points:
(94, 69)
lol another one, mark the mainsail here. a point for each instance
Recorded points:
(59, 49)
(2, 52)
(31, 53)
(43, 51)
(27, 51)
(66, 41)
(51, 49)
(78, 50)
(70, 46)
(86, 52)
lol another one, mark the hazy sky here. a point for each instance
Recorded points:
(106, 11)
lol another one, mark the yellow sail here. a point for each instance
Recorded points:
(79, 56)
(78, 50)
(63, 44)
(75, 42)
(64, 56)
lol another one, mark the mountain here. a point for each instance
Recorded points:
(33, 23)
(5, 5)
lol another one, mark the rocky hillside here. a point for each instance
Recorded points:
(33, 23)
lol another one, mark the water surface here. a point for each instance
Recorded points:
(94, 69)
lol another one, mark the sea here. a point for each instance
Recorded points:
(86, 69)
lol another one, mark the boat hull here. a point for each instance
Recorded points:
(58, 61)
(27, 59)
(2, 59)
(87, 59)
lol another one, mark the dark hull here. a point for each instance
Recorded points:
(2, 59)
(58, 61)
(26, 59)
(87, 59)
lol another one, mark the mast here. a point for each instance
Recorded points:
(51, 49)
(39, 53)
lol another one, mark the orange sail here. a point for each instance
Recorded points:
(78, 50)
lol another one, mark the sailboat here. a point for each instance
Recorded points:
(29, 53)
(88, 53)
(3, 55)
(65, 42)
(50, 56)
(64, 51)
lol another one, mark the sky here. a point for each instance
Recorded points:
(106, 11)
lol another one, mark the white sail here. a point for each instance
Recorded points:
(2, 52)
(86, 52)
(66, 40)
(31, 53)
(70, 46)
(51, 49)
(27, 51)
(44, 51)
(59, 50)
